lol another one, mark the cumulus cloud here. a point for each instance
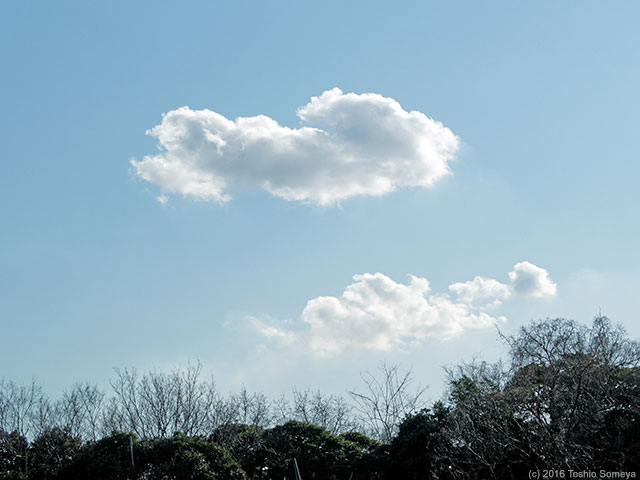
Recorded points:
(527, 280)
(481, 290)
(376, 313)
(349, 145)
(532, 281)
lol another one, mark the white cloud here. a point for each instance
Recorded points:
(532, 281)
(527, 280)
(481, 289)
(284, 337)
(376, 313)
(350, 145)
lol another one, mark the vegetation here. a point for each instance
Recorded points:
(568, 399)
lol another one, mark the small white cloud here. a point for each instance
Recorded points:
(162, 199)
(481, 290)
(532, 281)
(376, 313)
(282, 336)
(350, 145)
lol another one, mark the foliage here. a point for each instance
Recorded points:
(13, 454)
(361, 440)
(52, 452)
(319, 453)
(187, 458)
(421, 449)
(244, 443)
(106, 459)
(568, 398)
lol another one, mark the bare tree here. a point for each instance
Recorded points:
(113, 417)
(388, 398)
(251, 409)
(220, 410)
(81, 411)
(44, 415)
(480, 424)
(20, 407)
(565, 401)
(328, 411)
(281, 408)
(159, 404)
(569, 379)
(193, 401)
(126, 410)
(20, 419)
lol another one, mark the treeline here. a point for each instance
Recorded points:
(568, 399)
(158, 404)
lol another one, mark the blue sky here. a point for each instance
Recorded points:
(96, 273)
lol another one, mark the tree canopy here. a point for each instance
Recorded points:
(566, 398)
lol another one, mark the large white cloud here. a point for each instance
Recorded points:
(350, 145)
(532, 281)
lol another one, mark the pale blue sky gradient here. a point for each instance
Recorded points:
(96, 274)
